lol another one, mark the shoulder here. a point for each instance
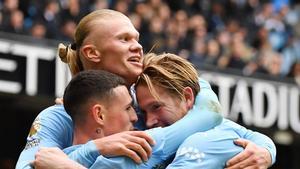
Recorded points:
(55, 112)
(232, 126)
(52, 127)
(204, 84)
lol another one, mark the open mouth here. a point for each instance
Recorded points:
(134, 59)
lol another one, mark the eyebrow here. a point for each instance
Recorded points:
(131, 34)
(154, 103)
(130, 104)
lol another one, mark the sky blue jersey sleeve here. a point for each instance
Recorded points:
(207, 150)
(51, 128)
(204, 116)
(213, 148)
(259, 139)
(256, 137)
(85, 154)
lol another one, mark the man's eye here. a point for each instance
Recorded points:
(156, 107)
(129, 108)
(124, 39)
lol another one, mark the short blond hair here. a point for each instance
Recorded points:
(170, 72)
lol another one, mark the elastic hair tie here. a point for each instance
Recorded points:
(73, 46)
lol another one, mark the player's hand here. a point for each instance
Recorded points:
(133, 144)
(253, 157)
(53, 158)
(59, 100)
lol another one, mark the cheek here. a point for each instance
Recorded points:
(115, 54)
(118, 51)
(116, 66)
(166, 117)
(124, 120)
(171, 115)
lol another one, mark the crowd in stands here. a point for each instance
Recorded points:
(253, 36)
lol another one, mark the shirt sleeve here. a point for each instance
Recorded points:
(204, 116)
(260, 140)
(51, 128)
(85, 154)
(207, 150)
(256, 137)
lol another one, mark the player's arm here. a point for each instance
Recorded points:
(168, 139)
(54, 158)
(260, 151)
(116, 144)
(133, 144)
(51, 128)
(207, 150)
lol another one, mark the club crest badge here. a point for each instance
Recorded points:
(32, 139)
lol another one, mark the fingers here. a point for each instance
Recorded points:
(133, 144)
(140, 151)
(250, 163)
(142, 142)
(252, 157)
(242, 164)
(59, 101)
(133, 155)
(238, 158)
(241, 142)
(252, 167)
(256, 167)
(32, 164)
(141, 146)
(144, 135)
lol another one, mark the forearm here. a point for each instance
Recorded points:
(262, 141)
(69, 164)
(25, 158)
(169, 138)
(85, 154)
(256, 142)
(115, 162)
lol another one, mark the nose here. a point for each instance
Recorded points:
(151, 120)
(136, 46)
(133, 117)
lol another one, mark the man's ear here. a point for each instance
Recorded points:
(91, 53)
(189, 97)
(98, 114)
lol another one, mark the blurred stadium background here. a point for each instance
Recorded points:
(249, 50)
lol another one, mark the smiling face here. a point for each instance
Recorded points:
(118, 47)
(163, 112)
(166, 88)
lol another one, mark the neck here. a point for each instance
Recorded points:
(83, 134)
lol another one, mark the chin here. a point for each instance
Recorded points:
(134, 77)
(137, 72)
